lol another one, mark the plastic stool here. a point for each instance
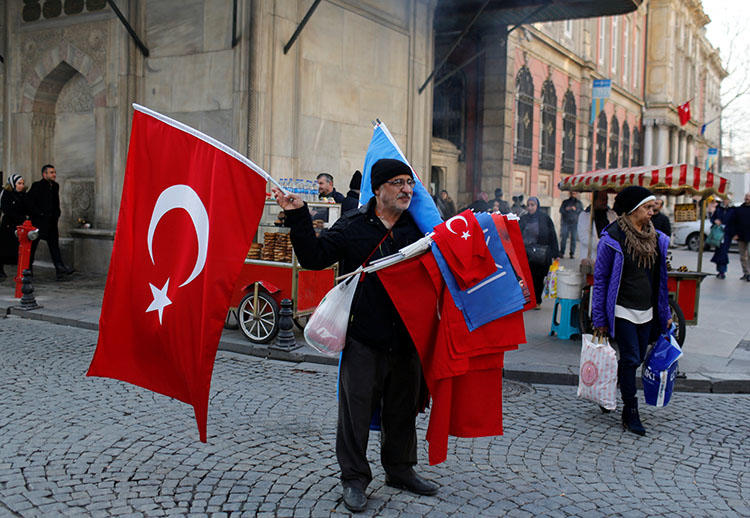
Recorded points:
(565, 318)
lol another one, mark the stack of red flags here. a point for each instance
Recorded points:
(462, 368)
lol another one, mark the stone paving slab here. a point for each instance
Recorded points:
(77, 446)
(714, 360)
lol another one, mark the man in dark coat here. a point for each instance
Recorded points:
(44, 199)
(660, 220)
(570, 209)
(325, 191)
(503, 205)
(352, 197)
(379, 363)
(739, 229)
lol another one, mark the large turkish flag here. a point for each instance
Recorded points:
(190, 208)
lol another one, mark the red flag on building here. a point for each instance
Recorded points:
(190, 207)
(684, 112)
(462, 243)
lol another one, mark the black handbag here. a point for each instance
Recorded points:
(537, 254)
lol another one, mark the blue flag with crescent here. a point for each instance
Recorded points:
(493, 297)
(422, 206)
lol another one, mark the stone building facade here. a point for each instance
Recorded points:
(505, 109)
(553, 66)
(682, 66)
(71, 72)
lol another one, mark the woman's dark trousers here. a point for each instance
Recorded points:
(632, 341)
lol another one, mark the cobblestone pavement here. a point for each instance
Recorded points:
(78, 446)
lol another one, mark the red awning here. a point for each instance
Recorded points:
(667, 179)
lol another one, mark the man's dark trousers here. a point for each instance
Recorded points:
(367, 377)
(50, 234)
(572, 229)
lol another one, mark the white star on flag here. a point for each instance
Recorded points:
(160, 299)
(466, 235)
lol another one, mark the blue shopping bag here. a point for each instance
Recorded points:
(660, 370)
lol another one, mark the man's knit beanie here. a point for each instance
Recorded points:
(385, 169)
(356, 181)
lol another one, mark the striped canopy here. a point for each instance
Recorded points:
(667, 179)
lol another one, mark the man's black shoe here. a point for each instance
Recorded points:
(354, 499)
(413, 483)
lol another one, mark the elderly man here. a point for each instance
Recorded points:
(739, 227)
(379, 365)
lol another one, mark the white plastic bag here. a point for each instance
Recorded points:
(597, 376)
(326, 329)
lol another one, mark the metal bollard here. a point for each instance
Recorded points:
(285, 340)
(28, 301)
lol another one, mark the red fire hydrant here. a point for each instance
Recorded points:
(25, 233)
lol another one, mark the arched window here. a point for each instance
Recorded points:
(449, 109)
(590, 152)
(614, 142)
(549, 126)
(569, 133)
(625, 144)
(636, 153)
(524, 117)
(601, 141)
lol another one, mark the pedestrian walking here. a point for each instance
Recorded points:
(44, 201)
(352, 197)
(720, 218)
(379, 365)
(739, 229)
(445, 205)
(502, 205)
(603, 216)
(540, 239)
(660, 220)
(570, 209)
(15, 208)
(630, 301)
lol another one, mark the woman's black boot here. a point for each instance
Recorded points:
(631, 421)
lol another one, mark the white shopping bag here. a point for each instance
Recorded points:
(597, 376)
(326, 329)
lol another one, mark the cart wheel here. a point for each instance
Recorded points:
(262, 328)
(584, 311)
(230, 322)
(693, 241)
(679, 319)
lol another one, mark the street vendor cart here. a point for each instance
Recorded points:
(678, 179)
(271, 273)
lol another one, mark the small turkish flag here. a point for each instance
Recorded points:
(190, 208)
(684, 112)
(462, 243)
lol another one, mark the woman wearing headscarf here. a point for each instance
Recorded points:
(540, 239)
(15, 209)
(630, 301)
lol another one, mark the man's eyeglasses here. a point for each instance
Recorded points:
(399, 182)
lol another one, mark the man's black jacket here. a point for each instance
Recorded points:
(374, 320)
(44, 199)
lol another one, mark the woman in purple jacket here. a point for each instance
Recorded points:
(630, 301)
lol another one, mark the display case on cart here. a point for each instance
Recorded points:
(271, 273)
